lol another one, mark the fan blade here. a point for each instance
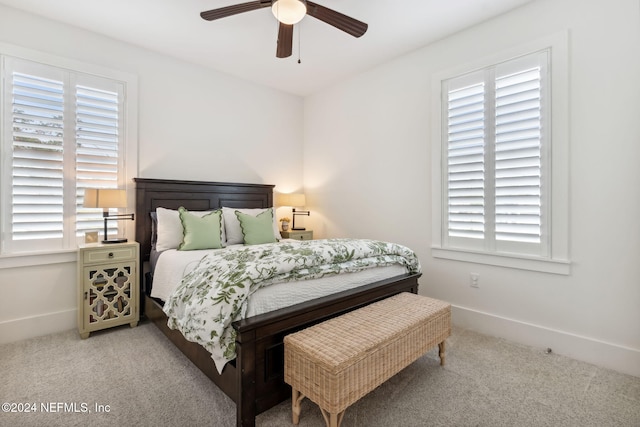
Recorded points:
(285, 41)
(342, 22)
(235, 9)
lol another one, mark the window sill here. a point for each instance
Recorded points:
(40, 258)
(562, 267)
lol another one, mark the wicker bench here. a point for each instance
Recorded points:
(337, 362)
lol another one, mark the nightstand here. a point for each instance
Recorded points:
(297, 234)
(107, 286)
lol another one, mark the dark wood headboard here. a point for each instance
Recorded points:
(193, 195)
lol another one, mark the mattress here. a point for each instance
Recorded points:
(172, 265)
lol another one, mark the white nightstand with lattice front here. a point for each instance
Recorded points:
(107, 286)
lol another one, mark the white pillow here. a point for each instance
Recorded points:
(232, 224)
(170, 231)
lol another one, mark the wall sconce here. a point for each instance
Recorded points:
(106, 198)
(294, 199)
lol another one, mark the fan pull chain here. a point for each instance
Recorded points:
(299, 30)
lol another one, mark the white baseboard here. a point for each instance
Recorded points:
(600, 353)
(36, 326)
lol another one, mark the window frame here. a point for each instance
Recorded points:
(556, 259)
(128, 159)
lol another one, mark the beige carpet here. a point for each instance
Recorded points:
(126, 377)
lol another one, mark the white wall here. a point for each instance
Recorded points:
(194, 124)
(367, 173)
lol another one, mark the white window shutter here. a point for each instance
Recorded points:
(518, 166)
(37, 166)
(465, 161)
(97, 125)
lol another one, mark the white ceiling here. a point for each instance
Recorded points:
(244, 45)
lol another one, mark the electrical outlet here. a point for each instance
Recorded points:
(474, 277)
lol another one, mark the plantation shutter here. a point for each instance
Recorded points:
(465, 161)
(518, 153)
(495, 157)
(62, 134)
(97, 149)
(37, 135)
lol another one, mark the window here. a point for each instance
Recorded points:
(496, 122)
(62, 131)
(497, 185)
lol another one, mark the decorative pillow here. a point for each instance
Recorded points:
(257, 229)
(169, 228)
(232, 224)
(201, 232)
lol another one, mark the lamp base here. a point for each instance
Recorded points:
(116, 240)
(299, 229)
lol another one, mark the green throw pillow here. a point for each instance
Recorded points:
(200, 232)
(257, 229)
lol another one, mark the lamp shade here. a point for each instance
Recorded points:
(289, 11)
(104, 198)
(292, 199)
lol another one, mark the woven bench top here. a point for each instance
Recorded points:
(339, 342)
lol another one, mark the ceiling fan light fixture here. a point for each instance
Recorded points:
(289, 12)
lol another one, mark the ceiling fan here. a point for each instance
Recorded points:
(288, 13)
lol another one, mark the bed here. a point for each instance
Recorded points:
(254, 380)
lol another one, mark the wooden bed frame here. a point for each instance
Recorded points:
(254, 380)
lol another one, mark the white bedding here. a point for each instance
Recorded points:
(172, 265)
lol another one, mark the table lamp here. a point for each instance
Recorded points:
(294, 199)
(106, 198)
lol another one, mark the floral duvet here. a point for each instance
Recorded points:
(214, 294)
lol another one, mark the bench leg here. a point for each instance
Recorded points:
(296, 400)
(441, 348)
(332, 420)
